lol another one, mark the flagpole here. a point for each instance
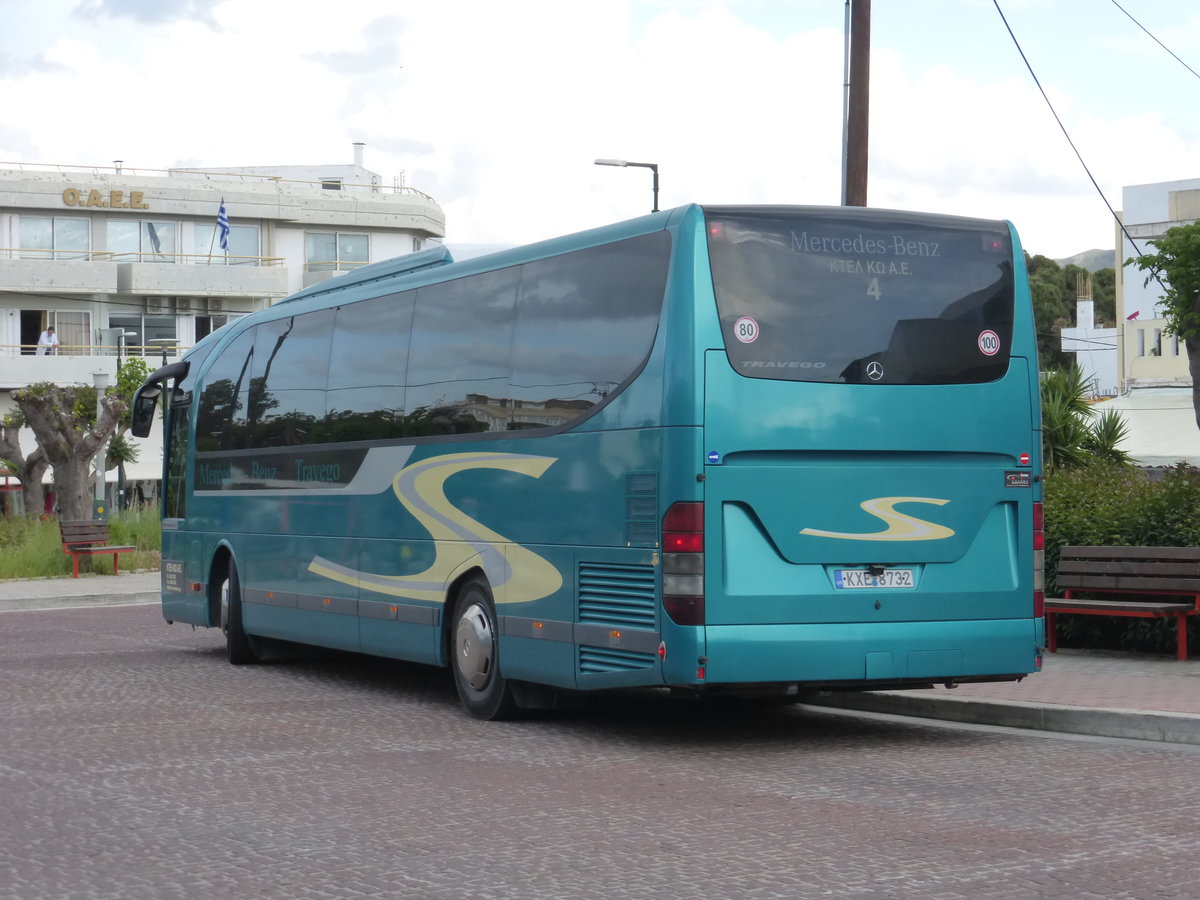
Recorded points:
(213, 242)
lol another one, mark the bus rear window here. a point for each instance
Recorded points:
(862, 296)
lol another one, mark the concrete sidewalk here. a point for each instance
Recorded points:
(1078, 692)
(86, 590)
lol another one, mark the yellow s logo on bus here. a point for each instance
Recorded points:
(516, 574)
(900, 526)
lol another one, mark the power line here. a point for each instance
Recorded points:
(1066, 134)
(1153, 38)
(1063, 127)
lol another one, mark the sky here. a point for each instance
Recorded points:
(498, 109)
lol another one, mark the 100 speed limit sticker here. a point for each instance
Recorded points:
(989, 343)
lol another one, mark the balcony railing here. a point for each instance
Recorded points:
(150, 350)
(332, 265)
(245, 177)
(194, 259)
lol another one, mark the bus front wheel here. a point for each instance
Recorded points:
(475, 654)
(238, 645)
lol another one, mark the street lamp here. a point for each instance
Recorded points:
(653, 167)
(167, 345)
(100, 379)
(121, 345)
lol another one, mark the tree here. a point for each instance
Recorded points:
(1176, 267)
(28, 469)
(1072, 435)
(121, 449)
(63, 420)
(1104, 295)
(1051, 309)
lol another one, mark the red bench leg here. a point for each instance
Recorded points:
(115, 563)
(1051, 633)
(1181, 636)
(75, 562)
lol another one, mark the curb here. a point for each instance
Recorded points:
(1174, 728)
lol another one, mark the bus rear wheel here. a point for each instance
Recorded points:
(475, 654)
(239, 646)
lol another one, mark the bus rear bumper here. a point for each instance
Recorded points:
(872, 653)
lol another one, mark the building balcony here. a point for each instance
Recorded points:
(195, 277)
(147, 274)
(76, 364)
(88, 275)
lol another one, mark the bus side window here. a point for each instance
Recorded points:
(367, 363)
(586, 321)
(175, 489)
(221, 416)
(461, 343)
(286, 400)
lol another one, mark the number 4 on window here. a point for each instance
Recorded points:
(873, 289)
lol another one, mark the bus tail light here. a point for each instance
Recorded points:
(683, 563)
(1039, 561)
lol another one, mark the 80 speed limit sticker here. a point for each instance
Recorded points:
(745, 330)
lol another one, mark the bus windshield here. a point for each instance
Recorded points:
(867, 299)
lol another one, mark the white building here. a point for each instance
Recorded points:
(1152, 367)
(1095, 349)
(129, 261)
(1147, 356)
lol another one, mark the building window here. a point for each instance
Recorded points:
(155, 242)
(335, 252)
(55, 237)
(331, 184)
(145, 334)
(206, 325)
(73, 327)
(243, 246)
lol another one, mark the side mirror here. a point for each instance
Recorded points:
(144, 403)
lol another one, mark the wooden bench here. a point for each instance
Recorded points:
(88, 538)
(1142, 580)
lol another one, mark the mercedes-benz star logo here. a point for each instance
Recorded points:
(874, 371)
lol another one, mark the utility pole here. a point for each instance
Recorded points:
(857, 104)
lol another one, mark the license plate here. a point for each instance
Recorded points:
(855, 579)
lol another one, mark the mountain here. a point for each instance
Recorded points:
(1092, 260)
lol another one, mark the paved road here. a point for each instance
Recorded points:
(135, 763)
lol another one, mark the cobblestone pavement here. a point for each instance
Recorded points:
(136, 763)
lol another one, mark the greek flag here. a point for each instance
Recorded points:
(223, 225)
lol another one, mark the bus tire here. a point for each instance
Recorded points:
(239, 646)
(475, 654)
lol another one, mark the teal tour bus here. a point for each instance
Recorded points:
(717, 448)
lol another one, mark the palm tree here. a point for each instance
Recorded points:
(1071, 433)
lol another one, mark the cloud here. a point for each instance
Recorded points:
(151, 11)
(15, 67)
(497, 110)
(377, 52)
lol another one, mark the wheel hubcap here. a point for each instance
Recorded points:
(474, 647)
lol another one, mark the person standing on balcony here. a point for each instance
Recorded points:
(48, 342)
